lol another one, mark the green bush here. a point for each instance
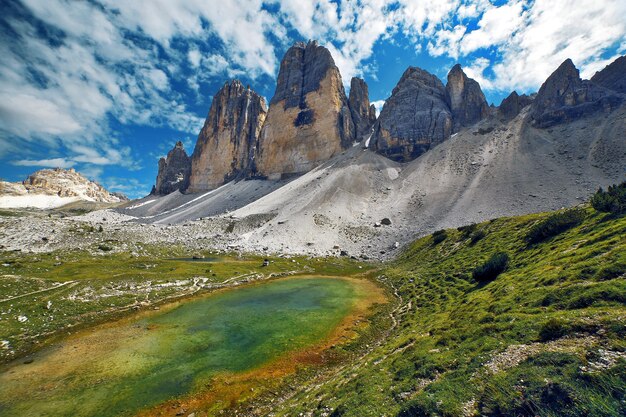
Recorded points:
(439, 236)
(553, 329)
(478, 235)
(467, 230)
(555, 224)
(104, 248)
(611, 201)
(492, 268)
(611, 272)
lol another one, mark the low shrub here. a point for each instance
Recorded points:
(439, 236)
(478, 235)
(466, 231)
(611, 272)
(553, 329)
(492, 268)
(611, 201)
(556, 224)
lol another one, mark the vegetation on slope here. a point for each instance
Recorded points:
(612, 200)
(546, 337)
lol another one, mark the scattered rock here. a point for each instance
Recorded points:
(386, 221)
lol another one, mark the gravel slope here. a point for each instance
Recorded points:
(490, 170)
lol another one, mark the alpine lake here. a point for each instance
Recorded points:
(203, 353)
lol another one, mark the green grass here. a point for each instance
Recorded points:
(559, 306)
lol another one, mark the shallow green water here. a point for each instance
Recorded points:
(118, 370)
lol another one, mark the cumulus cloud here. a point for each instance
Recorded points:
(47, 163)
(71, 68)
(524, 41)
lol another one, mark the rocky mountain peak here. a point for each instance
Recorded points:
(227, 142)
(363, 114)
(613, 76)
(565, 96)
(173, 171)
(513, 104)
(465, 99)
(48, 188)
(309, 118)
(415, 117)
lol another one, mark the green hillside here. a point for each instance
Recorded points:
(546, 337)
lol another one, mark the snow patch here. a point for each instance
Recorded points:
(40, 201)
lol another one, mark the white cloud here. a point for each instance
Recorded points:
(532, 38)
(194, 57)
(496, 26)
(49, 163)
(114, 59)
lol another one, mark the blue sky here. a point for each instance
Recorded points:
(108, 86)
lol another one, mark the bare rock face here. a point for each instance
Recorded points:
(363, 114)
(415, 117)
(564, 97)
(513, 104)
(173, 171)
(465, 99)
(309, 118)
(227, 142)
(613, 76)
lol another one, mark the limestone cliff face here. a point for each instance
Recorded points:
(564, 96)
(363, 114)
(309, 119)
(173, 171)
(227, 142)
(415, 117)
(465, 99)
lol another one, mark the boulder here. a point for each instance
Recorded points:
(309, 118)
(613, 76)
(414, 118)
(173, 171)
(227, 142)
(564, 96)
(363, 114)
(465, 98)
(513, 104)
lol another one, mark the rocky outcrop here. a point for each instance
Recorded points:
(465, 98)
(513, 105)
(564, 96)
(309, 118)
(414, 118)
(613, 76)
(62, 183)
(363, 114)
(227, 142)
(174, 171)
